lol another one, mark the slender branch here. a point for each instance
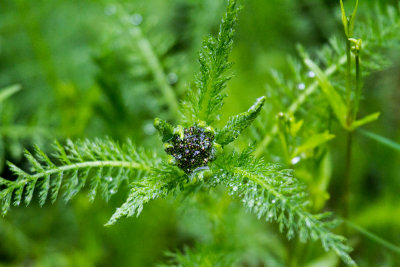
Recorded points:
(358, 85)
(347, 182)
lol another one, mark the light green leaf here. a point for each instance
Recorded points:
(348, 23)
(334, 99)
(238, 123)
(313, 142)
(367, 119)
(344, 17)
(374, 237)
(382, 140)
(9, 91)
(352, 20)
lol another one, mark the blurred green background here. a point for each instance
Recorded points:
(83, 74)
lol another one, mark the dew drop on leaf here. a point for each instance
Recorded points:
(311, 74)
(295, 160)
(301, 86)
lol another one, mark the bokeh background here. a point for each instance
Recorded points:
(83, 75)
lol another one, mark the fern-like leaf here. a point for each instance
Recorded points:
(238, 123)
(158, 185)
(206, 100)
(105, 163)
(276, 195)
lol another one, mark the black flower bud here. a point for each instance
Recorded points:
(192, 151)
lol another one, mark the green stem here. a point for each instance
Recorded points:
(347, 181)
(348, 75)
(358, 85)
(82, 165)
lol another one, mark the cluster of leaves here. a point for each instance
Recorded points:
(299, 93)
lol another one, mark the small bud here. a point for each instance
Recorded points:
(179, 130)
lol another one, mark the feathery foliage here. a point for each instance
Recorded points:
(298, 90)
(275, 195)
(265, 190)
(205, 100)
(102, 164)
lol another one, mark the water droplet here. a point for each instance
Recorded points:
(172, 78)
(112, 191)
(311, 74)
(301, 86)
(273, 201)
(110, 10)
(251, 203)
(235, 188)
(109, 179)
(295, 160)
(136, 19)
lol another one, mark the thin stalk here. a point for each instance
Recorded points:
(349, 140)
(358, 85)
(348, 75)
(347, 182)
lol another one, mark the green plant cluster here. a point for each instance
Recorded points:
(276, 159)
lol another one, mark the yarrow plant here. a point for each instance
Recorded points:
(196, 154)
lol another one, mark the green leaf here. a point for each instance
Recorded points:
(334, 99)
(313, 142)
(348, 23)
(9, 91)
(374, 237)
(382, 140)
(164, 128)
(367, 119)
(344, 17)
(238, 123)
(206, 97)
(353, 19)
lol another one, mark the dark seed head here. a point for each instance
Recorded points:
(194, 150)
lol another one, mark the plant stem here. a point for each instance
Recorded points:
(358, 85)
(347, 182)
(348, 75)
(349, 141)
